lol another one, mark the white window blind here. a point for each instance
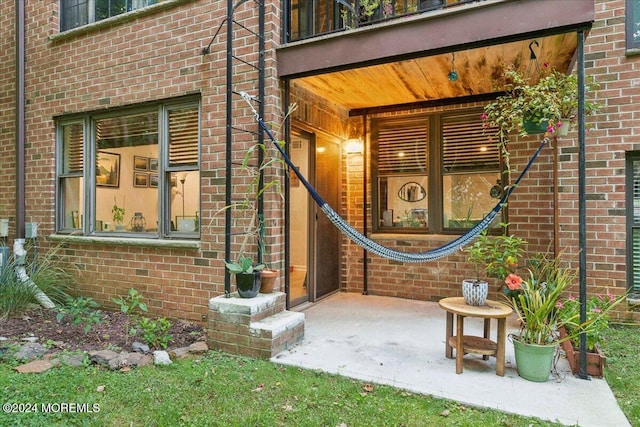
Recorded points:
(183, 136)
(73, 148)
(465, 147)
(403, 149)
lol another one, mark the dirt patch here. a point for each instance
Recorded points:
(108, 334)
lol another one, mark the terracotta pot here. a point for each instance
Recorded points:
(267, 280)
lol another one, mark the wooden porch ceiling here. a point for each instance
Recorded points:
(425, 79)
(408, 60)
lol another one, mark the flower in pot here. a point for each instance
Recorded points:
(597, 315)
(538, 307)
(247, 276)
(494, 256)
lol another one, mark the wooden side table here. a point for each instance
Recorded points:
(472, 344)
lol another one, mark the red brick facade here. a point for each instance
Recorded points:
(156, 56)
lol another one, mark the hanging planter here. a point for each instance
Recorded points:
(532, 125)
(562, 129)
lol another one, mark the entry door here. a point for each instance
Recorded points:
(326, 235)
(314, 240)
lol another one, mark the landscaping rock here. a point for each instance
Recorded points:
(139, 347)
(102, 357)
(30, 339)
(198, 347)
(30, 351)
(119, 362)
(161, 357)
(139, 360)
(179, 353)
(37, 366)
(75, 360)
(147, 359)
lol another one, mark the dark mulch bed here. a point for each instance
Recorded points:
(108, 334)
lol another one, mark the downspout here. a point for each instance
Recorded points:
(19, 253)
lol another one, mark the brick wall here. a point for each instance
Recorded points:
(7, 114)
(131, 60)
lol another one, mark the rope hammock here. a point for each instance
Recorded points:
(377, 248)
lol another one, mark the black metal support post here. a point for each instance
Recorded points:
(582, 206)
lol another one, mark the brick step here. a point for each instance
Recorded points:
(244, 311)
(277, 333)
(257, 327)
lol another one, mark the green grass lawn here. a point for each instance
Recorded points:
(623, 369)
(223, 390)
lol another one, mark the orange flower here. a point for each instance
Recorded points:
(514, 282)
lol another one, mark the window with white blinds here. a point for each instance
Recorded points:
(444, 157)
(72, 148)
(183, 136)
(633, 222)
(402, 149)
(144, 161)
(466, 147)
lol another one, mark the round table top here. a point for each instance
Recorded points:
(490, 309)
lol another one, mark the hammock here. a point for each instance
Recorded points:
(377, 248)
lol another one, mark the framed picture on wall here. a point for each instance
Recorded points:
(108, 169)
(153, 165)
(140, 180)
(153, 180)
(140, 163)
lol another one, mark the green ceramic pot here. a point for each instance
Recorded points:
(534, 361)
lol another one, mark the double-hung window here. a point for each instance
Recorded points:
(76, 13)
(133, 172)
(633, 223)
(433, 173)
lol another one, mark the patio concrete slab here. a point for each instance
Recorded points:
(400, 343)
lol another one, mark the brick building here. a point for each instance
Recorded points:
(148, 90)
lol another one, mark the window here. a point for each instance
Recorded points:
(633, 223)
(76, 13)
(433, 173)
(132, 173)
(632, 24)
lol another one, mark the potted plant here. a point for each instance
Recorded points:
(569, 313)
(255, 227)
(118, 213)
(494, 256)
(546, 105)
(537, 306)
(247, 276)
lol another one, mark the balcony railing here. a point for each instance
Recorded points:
(312, 18)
